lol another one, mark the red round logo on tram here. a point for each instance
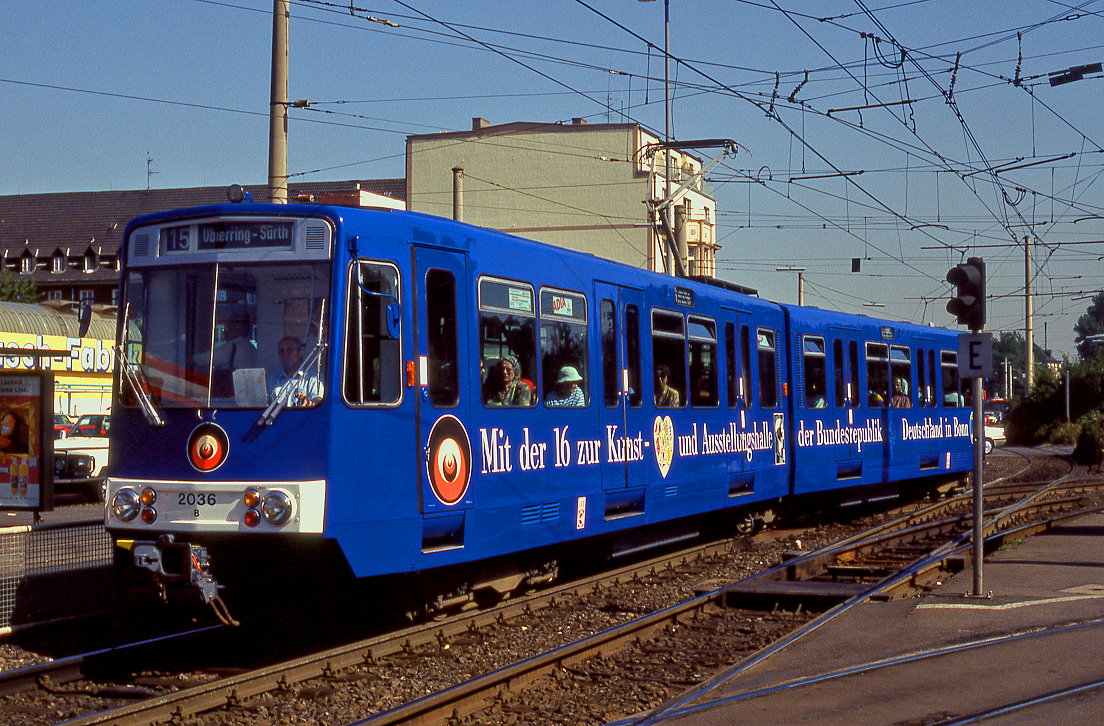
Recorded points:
(207, 447)
(449, 462)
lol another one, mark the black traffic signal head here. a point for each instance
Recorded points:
(968, 304)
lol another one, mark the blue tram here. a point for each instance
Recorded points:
(367, 393)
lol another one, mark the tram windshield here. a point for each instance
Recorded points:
(227, 335)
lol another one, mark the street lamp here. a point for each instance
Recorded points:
(800, 281)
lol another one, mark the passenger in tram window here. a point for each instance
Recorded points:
(665, 396)
(505, 386)
(237, 351)
(814, 397)
(568, 391)
(901, 397)
(304, 390)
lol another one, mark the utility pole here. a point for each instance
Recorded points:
(1029, 321)
(458, 193)
(278, 108)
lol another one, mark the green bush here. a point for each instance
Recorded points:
(1087, 449)
(1062, 433)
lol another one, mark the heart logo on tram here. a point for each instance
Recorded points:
(663, 436)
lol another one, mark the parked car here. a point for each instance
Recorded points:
(994, 436)
(89, 435)
(62, 423)
(91, 424)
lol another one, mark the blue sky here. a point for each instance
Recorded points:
(92, 91)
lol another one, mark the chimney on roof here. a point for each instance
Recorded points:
(578, 121)
(479, 123)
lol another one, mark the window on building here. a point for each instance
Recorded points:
(89, 295)
(59, 262)
(90, 260)
(507, 343)
(27, 263)
(53, 295)
(373, 361)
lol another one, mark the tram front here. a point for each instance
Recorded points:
(222, 391)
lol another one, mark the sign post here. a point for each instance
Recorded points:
(975, 360)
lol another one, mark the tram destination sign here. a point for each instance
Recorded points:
(213, 236)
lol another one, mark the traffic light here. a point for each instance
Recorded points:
(968, 305)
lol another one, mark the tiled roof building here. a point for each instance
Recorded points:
(68, 242)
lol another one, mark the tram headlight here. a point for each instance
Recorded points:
(148, 497)
(251, 498)
(276, 508)
(125, 504)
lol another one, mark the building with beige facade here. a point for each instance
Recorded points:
(582, 186)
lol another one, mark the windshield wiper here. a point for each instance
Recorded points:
(268, 416)
(133, 375)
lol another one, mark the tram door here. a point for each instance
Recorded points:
(626, 435)
(846, 354)
(443, 374)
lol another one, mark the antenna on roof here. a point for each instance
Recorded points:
(149, 170)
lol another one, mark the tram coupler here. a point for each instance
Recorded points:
(182, 563)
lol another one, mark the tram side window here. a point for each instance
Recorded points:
(607, 326)
(444, 379)
(669, 358)
(745, 365)
(373, 364)
(853, 395)
(839, 373)
(768, 368)
(816, 371)
(921, 379)
(507, 343)
(702, 336)
(632, 355)
(900, 371)
(730, 364)
(933, 384)
(877, 375)
(948, 361)
(563, 345)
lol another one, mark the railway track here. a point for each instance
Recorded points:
(654, 643)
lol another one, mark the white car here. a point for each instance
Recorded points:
(994, 436)
(88, 436)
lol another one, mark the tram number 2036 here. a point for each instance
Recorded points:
(195, 500)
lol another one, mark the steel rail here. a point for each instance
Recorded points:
(236, 689)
